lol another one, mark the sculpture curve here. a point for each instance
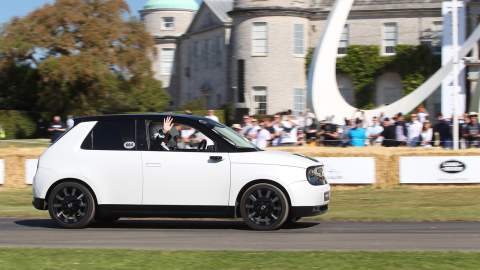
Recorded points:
(326, 100)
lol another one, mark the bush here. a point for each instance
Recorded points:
(17, 124)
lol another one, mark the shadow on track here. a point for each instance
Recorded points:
(179, 224)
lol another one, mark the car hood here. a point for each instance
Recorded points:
(273, 158)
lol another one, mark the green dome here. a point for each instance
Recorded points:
(172, 4)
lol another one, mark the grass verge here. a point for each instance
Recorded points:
(364, 204)
(75, 259)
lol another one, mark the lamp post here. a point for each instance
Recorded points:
(456, 69)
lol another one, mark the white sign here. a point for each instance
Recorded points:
(349, 170)
(2, 171)
(440, 170)
(30, 170)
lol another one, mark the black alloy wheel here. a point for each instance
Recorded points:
(264, 207)
(71, 205)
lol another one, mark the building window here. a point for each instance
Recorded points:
(299, 39)
(205, 53)
(241, 80)
(166, 61)
(168, 23)
(218, 52)
(260, 39)
(437, 36)
(344, 40)
(299, 101)
(390, 38)
(260, 100)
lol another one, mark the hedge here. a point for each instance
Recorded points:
(17, 124)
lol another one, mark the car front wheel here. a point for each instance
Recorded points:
(264, 207)
(71, 205)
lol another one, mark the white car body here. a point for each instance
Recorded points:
(149, 183)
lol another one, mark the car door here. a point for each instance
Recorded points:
(184, 176)
(109, 158)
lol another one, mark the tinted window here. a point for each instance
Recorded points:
(112, 135)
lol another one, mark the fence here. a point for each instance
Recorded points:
(381, 167)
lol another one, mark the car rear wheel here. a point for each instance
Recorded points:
(264, 207)
(71, 205)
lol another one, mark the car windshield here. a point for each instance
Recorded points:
(233, 137)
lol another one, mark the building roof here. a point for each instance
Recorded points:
(220, 8)
(172, 4)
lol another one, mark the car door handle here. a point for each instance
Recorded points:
(151, 164)
(216, 158)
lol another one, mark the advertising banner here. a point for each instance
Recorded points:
(440, 170)
(349, 170)
(30, 170)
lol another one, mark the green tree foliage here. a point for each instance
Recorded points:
(364, 64)
(78, 57)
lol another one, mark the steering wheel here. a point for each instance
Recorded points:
(202, 145)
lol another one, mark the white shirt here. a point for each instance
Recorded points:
(289, 137)
(427, 136)
(262, 138)
(414, 130)
(422, 117)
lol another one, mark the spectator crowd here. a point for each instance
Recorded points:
(414, 130)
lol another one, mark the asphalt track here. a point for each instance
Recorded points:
(233, 235)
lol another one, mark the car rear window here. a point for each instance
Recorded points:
(112, 135)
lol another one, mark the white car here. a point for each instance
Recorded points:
(167, 165)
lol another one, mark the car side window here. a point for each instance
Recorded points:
(180, 138)
(112, 135)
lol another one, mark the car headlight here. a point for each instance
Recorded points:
(315, 176)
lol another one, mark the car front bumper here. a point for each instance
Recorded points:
(309, 211)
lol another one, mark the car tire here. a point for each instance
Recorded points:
(264, 207)
(71, 205)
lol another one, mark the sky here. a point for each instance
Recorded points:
(12, 8)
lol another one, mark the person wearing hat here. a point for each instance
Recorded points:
(472, 131)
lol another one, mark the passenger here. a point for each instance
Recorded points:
(161, 135)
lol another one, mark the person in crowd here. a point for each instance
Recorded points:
(349, 124)
(330, 135)
(414, 128)
(401, 130)
(246, 125)
(358, 135)
(444, 130)
(211, 115)
(70, 122)
(389, 134)
(56, 128)
(426, 136)
(277, 130)
(422, 114)
(237, 128)
(263, 136)
(374, 132)
(472, 131)
(253, 130)
(289, 131)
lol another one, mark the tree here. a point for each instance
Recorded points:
(79, 57)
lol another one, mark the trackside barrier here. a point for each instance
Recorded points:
(349, 170)
(30, 170)
(440, 170)
(2, 171)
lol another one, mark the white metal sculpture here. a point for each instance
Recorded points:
(328, 102)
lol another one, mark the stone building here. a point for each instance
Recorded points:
(251, 53)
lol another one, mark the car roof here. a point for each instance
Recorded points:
(137, 116)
